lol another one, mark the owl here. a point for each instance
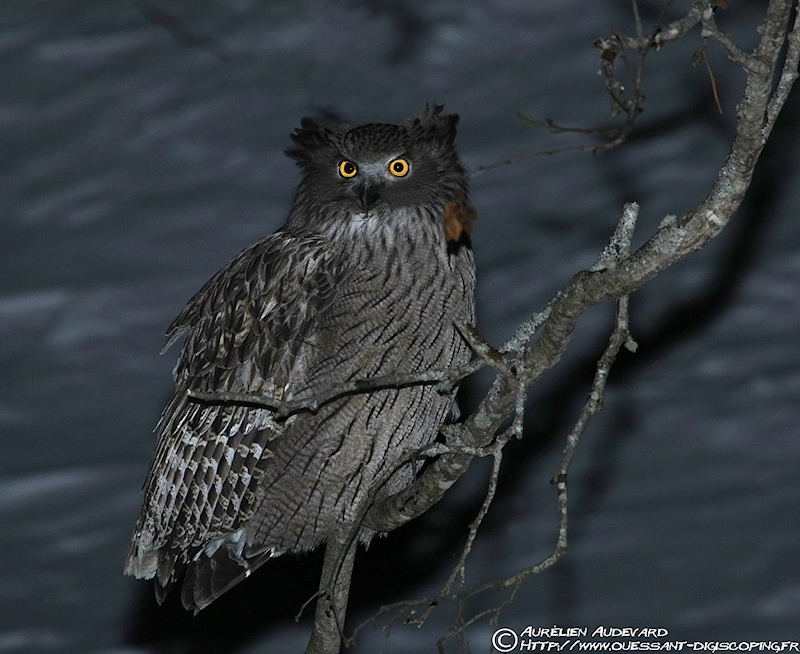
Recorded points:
(372, 274)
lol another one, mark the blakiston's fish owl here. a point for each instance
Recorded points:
(369, 276)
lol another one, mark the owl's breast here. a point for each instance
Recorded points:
(396, 305)
(402, 294)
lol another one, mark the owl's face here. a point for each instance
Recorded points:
(375, 168)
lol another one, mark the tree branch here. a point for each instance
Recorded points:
(334, 590)
(445, 379)
(675, 239)
(418, 610)
(617, 274)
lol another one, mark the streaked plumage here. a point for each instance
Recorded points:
(362, 280)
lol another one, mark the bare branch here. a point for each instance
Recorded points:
(710, 30)
(594, 403)
(675, 239)
(446, 380)
(334, 590)
(459, 571)
(617, 250)
(672, 32)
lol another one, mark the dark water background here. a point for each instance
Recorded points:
(141, 147)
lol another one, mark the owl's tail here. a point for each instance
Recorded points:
(209, 577)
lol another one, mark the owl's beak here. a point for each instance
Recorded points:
(368, 193)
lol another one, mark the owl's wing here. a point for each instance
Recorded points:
(246, 331)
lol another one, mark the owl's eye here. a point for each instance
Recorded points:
(399, 167)
(347, 169)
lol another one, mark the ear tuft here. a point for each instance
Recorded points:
(433, 125)
(312, 135)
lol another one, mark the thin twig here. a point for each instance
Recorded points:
(459, 570)
(702, 55)
(733, 51)
(446, 380)
(594, 403)
(672, 32)
(619, 337)
(510, 161)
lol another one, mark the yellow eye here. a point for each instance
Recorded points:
(347, 169)
(399, 167)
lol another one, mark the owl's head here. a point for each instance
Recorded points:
(379, 167)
